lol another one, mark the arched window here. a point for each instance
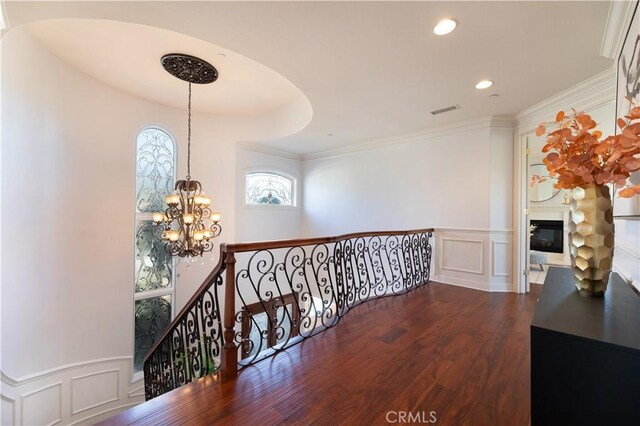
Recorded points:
(269, 188)
(154, 272)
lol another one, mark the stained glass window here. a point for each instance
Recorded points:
(153, 279)
(153, 263)
(151, 317)
(269, 188)
(154, 169)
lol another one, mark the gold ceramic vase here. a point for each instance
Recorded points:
(591, 238)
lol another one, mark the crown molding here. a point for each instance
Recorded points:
(446, 130)
(618, 21)
(263, 149)
(591, 93)
(503, 122)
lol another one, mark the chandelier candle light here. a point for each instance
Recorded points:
(188, 223)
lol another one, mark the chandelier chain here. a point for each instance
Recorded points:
(189, 137)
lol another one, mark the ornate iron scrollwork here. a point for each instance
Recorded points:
(286, 295)
(322, 283)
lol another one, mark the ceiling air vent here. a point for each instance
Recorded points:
(443, 110)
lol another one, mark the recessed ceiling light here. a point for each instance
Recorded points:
(484, 84)
(445, 27)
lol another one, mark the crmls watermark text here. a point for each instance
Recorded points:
(411, 417)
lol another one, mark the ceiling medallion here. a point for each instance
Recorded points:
(189, 68)
(188, 224)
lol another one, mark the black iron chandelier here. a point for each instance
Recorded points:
(188, 224)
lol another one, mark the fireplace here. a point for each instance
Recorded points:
(547, 236)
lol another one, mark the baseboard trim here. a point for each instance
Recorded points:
(461, 282)
(102, 413)
(501, 288)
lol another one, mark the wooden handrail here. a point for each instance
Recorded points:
(276, 244)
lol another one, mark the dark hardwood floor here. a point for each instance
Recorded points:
(461, 353)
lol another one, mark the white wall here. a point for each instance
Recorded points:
(412, 185)
(68, 146)
(459, 181)
(263, 223)
(501, 177)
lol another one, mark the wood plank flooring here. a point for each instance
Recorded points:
(461, 353)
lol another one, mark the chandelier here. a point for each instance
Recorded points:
(188, 225)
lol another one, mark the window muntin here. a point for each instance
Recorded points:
(154, 268)
(269, 188)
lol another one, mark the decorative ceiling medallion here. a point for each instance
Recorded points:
(189, 68)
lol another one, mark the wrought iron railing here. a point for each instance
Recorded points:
(264, 297)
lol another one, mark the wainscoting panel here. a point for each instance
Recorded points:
(80, 393)
(474, 258)
(93, 390)
(8, 411)
(501, 255)
(139, 391)
(42, 406)
(462, 255)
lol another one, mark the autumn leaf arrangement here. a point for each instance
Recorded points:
(578, 155)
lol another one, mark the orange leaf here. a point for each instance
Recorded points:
(597, 134)
(560, 116)
(627, 132)
(627, 192)
(634, 114)
(632, 164)
(621, 123)
(620, 180)
(540, 130)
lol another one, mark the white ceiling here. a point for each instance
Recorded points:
(127, 56)
(375, 69)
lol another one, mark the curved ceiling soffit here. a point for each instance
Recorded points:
(127, 56)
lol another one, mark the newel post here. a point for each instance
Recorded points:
(229, 356)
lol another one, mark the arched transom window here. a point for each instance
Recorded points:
(269, 188)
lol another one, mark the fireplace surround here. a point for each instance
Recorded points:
(547, 236)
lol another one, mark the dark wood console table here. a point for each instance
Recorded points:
(585, 355)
